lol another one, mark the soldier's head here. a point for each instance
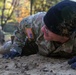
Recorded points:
(60, 21)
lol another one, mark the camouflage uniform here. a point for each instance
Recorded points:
(52, 48)
(46, 48)
(34, 22)
(61, 19)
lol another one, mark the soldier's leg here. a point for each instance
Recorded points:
(6, 47)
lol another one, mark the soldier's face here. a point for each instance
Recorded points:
(50, 36)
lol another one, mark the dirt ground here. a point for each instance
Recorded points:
(35, 65)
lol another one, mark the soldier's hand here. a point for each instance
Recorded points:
(11, 55)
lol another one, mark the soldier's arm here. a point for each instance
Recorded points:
(20, 37)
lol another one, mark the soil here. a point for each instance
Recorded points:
(35, 65)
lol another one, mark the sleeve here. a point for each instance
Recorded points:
(34, 22)
(20, 37)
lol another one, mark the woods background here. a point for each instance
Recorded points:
(13, 11)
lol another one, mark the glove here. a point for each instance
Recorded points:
(73, 65)
(29, 48)
(72, 60)
(11, 55)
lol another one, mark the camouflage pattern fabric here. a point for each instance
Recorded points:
(35, 22)
(46, 48)
(55, 49)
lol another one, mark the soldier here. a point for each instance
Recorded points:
(54, 32)
(25, 37)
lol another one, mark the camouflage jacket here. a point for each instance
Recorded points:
(67, 49)
(35, 22)
(47, 48)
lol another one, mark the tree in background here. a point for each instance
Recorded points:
(31, 4)
(41, 5)
(23, 10)
(7, 10)
(18, 9)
